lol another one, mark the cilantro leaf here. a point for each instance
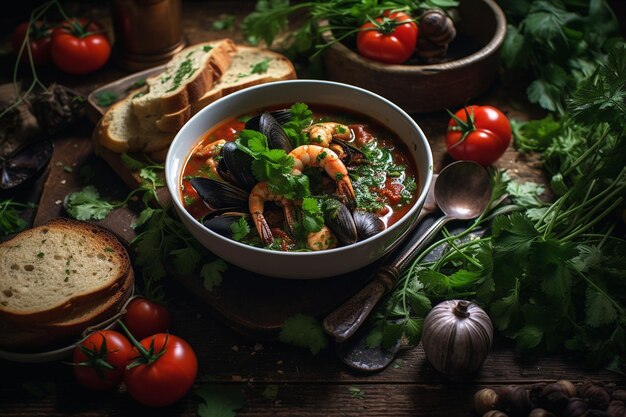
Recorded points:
(132, 163)
(304, 331)
(506, 310)
(240, 229)
(88, 205)
(529, 336)
(599, 309)
(212, 273)
(185, 260)
(301, 117)
(218, 401)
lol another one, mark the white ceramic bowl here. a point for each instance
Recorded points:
(300, 265)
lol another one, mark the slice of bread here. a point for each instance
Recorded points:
(64, 331)
(250, 66)
(186, 78)
(120, 131)
(51, 271)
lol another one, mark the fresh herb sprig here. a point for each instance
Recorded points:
(11, 220)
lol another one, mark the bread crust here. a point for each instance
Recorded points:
(102, 239)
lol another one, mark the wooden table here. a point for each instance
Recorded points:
(274, 378)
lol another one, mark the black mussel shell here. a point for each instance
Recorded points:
(367, 224)
(349, 150)
(219, 195)
(26, 164)
(281, 116)
(236, 166)
(274, 132)
(222, 224)
(339, 219)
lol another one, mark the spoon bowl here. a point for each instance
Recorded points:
(462, 190)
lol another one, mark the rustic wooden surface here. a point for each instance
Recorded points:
(307, 385)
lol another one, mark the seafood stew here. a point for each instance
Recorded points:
(299, 178)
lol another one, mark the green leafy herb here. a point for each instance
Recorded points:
(356, 393)
(301, 117)
(67, 168)
(240, 229)
(11, 220)
(106, 98)
(304, 331)
(559, 43)
(260, 67)
(224, 23)
(212, 273)
(88, 205)
(218, 401)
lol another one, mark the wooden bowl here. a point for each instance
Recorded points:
(428, 88)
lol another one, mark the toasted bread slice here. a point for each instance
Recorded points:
(186, 78)
(250, 66)
(119, 130)
(49, 271)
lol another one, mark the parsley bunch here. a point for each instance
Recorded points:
(558, 43)
(162, 243)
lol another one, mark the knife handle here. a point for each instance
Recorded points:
(345, 320)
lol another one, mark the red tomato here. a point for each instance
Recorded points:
(164, 373)
(80, 46)
(391, 39)
(144, 318)
(100, 360)
(38, 40)
(478, 133)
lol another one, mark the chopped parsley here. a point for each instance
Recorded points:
(260, 67)
(40, 255)
(185, 70)
(207, 48)
(106, 98)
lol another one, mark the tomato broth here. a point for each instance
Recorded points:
(384, 176)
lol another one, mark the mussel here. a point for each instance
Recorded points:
(281, 116)
(220, 196)
(236, 166)
(367, 224)
(339, 219)
(274, 132)
(222, 224)
(25, 164)
(350, 227)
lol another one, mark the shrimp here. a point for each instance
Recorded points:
(328, 160)
(211, 151)
(323, 133)
(259, 195)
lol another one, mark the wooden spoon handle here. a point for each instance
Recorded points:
(346, 319)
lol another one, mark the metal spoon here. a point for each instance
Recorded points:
(462, 192)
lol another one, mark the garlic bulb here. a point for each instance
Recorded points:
(457, 337)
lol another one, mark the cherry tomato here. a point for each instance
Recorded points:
(478, 133)
(38, 40)
(100, 360)
(80, 46)
(144, 318)
(164, 373)
(391, 39)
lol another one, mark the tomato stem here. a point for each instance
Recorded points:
(465, 126)
(146, 356)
